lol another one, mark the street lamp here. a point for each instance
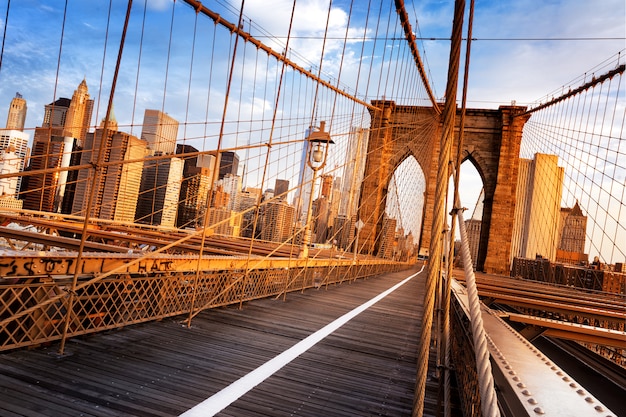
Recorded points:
(316, 160)
(359, 225)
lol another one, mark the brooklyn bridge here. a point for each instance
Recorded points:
(310, 208)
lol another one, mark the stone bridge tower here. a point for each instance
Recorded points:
(491, 142)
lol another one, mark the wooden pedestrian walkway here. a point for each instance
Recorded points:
(366, 367)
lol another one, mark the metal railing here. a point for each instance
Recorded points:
(33, 310)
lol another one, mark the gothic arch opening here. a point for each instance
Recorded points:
(492, 140)
(405, 203)
(471, 194)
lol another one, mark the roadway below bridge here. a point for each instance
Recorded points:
(602, 378)
(556, 329)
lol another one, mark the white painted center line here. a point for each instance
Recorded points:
(237, 389)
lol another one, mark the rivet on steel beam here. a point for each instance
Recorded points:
(598, 408)
(532, 401)
(526, 392)
(589, 399)
(539, 410)
(580, 392)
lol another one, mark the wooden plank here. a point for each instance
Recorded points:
(32, 399)
(367, 367)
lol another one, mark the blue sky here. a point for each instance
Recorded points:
(501, 70)
(523, 50)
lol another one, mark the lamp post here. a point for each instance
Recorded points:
(359, 225)
(316, 160)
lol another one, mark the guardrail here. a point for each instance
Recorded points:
(574, 276)
(34, 307)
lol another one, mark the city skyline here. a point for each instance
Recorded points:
(150, 192)
(509, 55)
(509, 63)
(159, 120)
(575, 40)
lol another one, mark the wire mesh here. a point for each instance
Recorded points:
(575, 137)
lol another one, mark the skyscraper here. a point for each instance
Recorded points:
(157, 203)
(353, 171)
(320, 211)
(281, 188)
(17, 113)
(19, 141)
(57, 144)
(231, 185)
(278, 221)
(194, 187)
(229, 164)
(118, 187)
(344, 231)
(51, 150)
(305, 176)
(55, 113)
(160, 131)
(78, 116)
(538, 206)
(248, 199)
(327, 185)
(387, 238)
(572, 236)
(573, 229)
(67, 179)
(10, 164)
(473, 226)
(224, 222)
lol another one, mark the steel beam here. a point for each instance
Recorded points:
(573, 331)
(522, 373)
(24, 264)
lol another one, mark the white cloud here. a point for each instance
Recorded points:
(501, 70)
(159, 5)
(523, 70)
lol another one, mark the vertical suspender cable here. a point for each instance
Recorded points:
(104, 56)
(488, 398)
(167, 61)
(435, 250)
(197, 272)
(4, 36)
(193, 313)
(193, 53)
(457, 169)
(42, 188)
(95, 178)
(139, 53)
(272, 130)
